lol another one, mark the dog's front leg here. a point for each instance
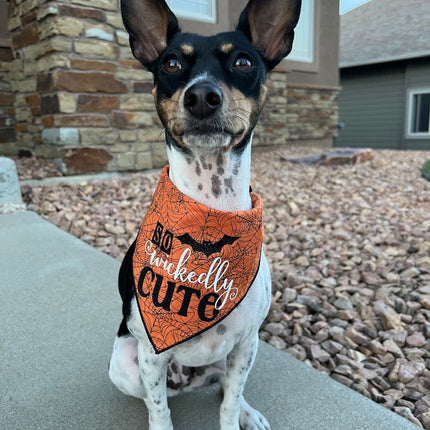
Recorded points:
(239, 363)
(153, 371)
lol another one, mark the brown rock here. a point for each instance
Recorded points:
(6, 99)
(376, 347)
(347, 315)
(425, 301)
(88, 82)
(277, 342)
(105, 66)
(298, 352)
(415, 340)
(132, 120)
(407, 413)
(84, 121)
(90, 103)
(398, 336)
(302, 261)
(85, 160)
(392, 347)
(28, 36)
(332, 347)
(45, 83)
(80, 12)
(405, 371)
(425, 417)
(356, 336)
(342, 379)
(274, 328)
(388, 316)
(50, 104)
(343, 303)
(317, 353)
(289, 295)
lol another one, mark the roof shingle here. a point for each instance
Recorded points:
(385, 30)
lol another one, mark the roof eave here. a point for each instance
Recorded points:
(409, 56)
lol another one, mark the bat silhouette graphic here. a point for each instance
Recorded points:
(206, 247)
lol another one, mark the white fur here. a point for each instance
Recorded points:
(237, 345)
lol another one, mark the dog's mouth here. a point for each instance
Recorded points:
(207, 135)
(207, 129)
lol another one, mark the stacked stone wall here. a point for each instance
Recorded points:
(7, 103)
(80, 97)
(295, 112)
(312, 113)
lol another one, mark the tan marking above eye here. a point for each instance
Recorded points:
(187, 49)
(226, 48)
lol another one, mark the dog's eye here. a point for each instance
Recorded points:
(242, 62)
(172, 64)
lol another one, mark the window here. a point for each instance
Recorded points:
(419, 113)
(198, 10)
(303, 47)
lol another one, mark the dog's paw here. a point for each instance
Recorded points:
(251, 419)
(158, 426)
(160, 421)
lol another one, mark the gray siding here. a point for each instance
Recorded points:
(373, 104)
(372, 108)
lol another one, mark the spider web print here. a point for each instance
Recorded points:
(192, 264)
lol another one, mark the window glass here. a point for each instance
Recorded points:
(198, 10)
(420, 121)
(303, 47)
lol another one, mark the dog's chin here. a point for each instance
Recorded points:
(208, 142)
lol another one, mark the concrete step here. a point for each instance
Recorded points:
(59, 311)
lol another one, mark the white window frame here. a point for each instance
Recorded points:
(409, 110)
(210, 17)
(304, 46)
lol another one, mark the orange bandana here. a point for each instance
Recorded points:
(192, 264)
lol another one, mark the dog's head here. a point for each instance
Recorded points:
(209, 91)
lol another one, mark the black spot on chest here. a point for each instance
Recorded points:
(216, 186)
(221, 329)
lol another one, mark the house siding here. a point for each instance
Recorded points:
(371, 107)
(373, 104)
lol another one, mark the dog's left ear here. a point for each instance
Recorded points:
(269, 24)
(151, 24)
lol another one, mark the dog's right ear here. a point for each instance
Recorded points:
(151, 24)
(269, 24)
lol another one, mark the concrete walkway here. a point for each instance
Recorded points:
(59, 311)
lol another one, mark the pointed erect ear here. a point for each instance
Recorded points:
(269, 24)
(151, 24)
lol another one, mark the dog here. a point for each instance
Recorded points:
(195, 284)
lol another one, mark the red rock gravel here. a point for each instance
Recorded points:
(349, 249)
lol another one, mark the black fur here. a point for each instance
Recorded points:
(126, 288)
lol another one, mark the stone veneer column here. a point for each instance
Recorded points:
(297, 112)
(270, 129)
(312, 112)
(80, 97)
(7, 102)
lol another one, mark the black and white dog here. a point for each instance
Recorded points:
(196, 287)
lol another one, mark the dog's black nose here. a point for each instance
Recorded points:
(203, 99)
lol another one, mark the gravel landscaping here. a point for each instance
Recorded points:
(349, 249)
